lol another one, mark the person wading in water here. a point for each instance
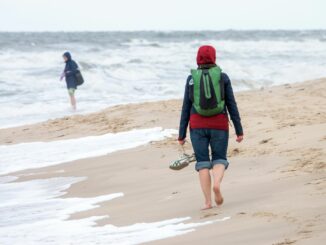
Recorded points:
(69, 73)
(208, 99)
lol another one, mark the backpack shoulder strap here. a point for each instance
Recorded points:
(196, 77)
(196, 74)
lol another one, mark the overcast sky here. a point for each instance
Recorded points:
(93, 15)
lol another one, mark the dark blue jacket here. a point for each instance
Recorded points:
(230, 103)
(70, 71)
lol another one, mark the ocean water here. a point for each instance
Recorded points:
(128, 67)
(42, 154)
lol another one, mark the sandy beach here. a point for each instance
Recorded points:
(274, 189)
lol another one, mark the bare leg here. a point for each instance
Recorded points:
(205, 183)
(218, 173)
(73, 102)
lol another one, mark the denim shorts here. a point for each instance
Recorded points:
(216, 140)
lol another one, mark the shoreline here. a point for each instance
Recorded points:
(113, 119)
(275, 185)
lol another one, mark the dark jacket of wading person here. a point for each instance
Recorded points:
(71, 68)
(209, 131)
(70, 71)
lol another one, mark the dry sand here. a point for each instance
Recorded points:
(274, 190)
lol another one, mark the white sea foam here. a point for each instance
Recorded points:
(41, 154)
(32, 212)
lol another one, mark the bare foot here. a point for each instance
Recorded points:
(207, 206)
(218, 195)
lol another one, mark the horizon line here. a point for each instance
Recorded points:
(153, 30)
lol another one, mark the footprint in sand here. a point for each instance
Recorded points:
(208, 215)
(285, 242)
(265, 141)
(235, 152)
(268, 215)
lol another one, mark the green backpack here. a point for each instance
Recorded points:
(207, 92)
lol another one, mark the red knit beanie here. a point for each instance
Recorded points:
(206, 55)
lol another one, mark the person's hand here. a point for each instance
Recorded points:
(62, 76)
(182, 142)
(239, 138)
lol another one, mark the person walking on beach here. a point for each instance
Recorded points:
(69, 73)
(208, 99)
